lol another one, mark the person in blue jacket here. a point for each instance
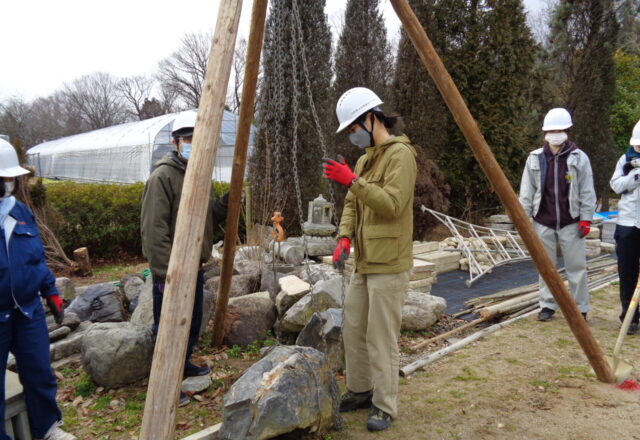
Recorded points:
(24, 279)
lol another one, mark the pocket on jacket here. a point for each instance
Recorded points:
(28, 242)
(381, 243)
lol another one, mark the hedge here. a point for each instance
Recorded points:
(103, 217)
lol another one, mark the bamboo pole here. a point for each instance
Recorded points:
(510, 305)
(502, 187)
(160, 408)
(450, 332)
(254, 48)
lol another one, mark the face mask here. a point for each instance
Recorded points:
(186, 150)
(360, 139)
(555, 138)
(8, 189)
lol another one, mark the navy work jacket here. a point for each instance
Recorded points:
(24, 274)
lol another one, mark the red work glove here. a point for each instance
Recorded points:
(583, 228)
(341, 253)
(57, 308)
(338, 171)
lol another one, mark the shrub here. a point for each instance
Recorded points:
(103, 217)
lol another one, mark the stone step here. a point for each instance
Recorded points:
(425, 246)
(415, 284)
(439, 257)
(447, 267)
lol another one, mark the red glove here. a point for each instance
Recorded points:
(57, 308)
(341, 253)
(583, 228)
(338, 171)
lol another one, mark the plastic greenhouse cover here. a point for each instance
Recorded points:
(124, 153)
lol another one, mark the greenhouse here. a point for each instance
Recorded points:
(123, 153)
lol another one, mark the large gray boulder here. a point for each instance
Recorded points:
(143, 313)
(117, 354)
(292, 388)
(323, 333)
(292, 289)
(131, 285)
(98, 303)
(324, 295)
(240, 285)
(249, 318)
(421, 310)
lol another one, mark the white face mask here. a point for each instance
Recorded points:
(8, 188)
(555, 139)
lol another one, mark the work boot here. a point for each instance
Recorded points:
(55, 433)
(378, 419)
(183, 400)
(191, 370)
(633, 328)
(546, 314)
(351, 401)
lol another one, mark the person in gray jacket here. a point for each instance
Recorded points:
(626, 182)
(557, 192)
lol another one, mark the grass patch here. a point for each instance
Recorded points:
(562, 343)
(546, 385)
(468, 376)
(512, 360)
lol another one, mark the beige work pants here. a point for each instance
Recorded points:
(372, 318)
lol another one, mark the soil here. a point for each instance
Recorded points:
(528, 381)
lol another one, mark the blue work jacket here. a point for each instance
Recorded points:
(24, 274)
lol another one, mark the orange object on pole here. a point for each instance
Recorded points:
(278, 232)
(249, 86)
(502, 187)
(159, 419)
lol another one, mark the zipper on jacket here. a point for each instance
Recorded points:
(15, 301)
(555, 189)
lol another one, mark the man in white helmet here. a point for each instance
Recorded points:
(24, 280)
(626, 182)
(557, 192)
(378, 220)
(160, 204)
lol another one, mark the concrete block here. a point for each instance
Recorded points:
(425, 246)
(443, 257)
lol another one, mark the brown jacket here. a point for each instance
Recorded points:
(378, 209)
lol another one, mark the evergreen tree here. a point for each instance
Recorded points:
(284, 105)
(629, 19)
(584, 34)
(489, 51)
(363, 59)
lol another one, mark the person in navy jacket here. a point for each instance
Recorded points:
(24, 279)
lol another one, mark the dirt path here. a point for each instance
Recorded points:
(529, 381)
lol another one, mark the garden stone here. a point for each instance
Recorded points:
(208, 307)
(267, 283)
(196, 384)
(66, 289)
(323, 333)
(117, 354)
(249, 318)
(143, 313)
(323, 296)
(71, 320)
(292, 289)
(421, 310)
(99, 303)
(317, 273)
(132, 285)
(291, 388)
(59, 333)
(240, 285)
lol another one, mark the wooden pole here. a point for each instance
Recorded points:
(254, 48)
(502, 187)
(160, 408)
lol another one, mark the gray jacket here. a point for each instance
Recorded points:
(628, 187)
(582, 195)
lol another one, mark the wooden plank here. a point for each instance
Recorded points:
(159, 418)
(501, 185)
(211, 433)
(249, 87)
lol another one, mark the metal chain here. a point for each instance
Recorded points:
(302, 49)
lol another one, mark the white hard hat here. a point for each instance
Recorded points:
(354, 103)
(557, 119)
(9, 165)
(635, 135)
(184, 124)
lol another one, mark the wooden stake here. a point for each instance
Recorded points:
(502, 187)
(254, 48)
(81, 257)
(160, 408)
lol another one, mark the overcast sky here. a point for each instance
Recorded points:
(44, 43)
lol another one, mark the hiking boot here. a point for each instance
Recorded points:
(55, 433)
(183, 400)
(191, 370)
(378, 419)
(633, 328)
(351, 401)
(546, 314)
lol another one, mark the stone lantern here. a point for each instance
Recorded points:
(319, 218)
